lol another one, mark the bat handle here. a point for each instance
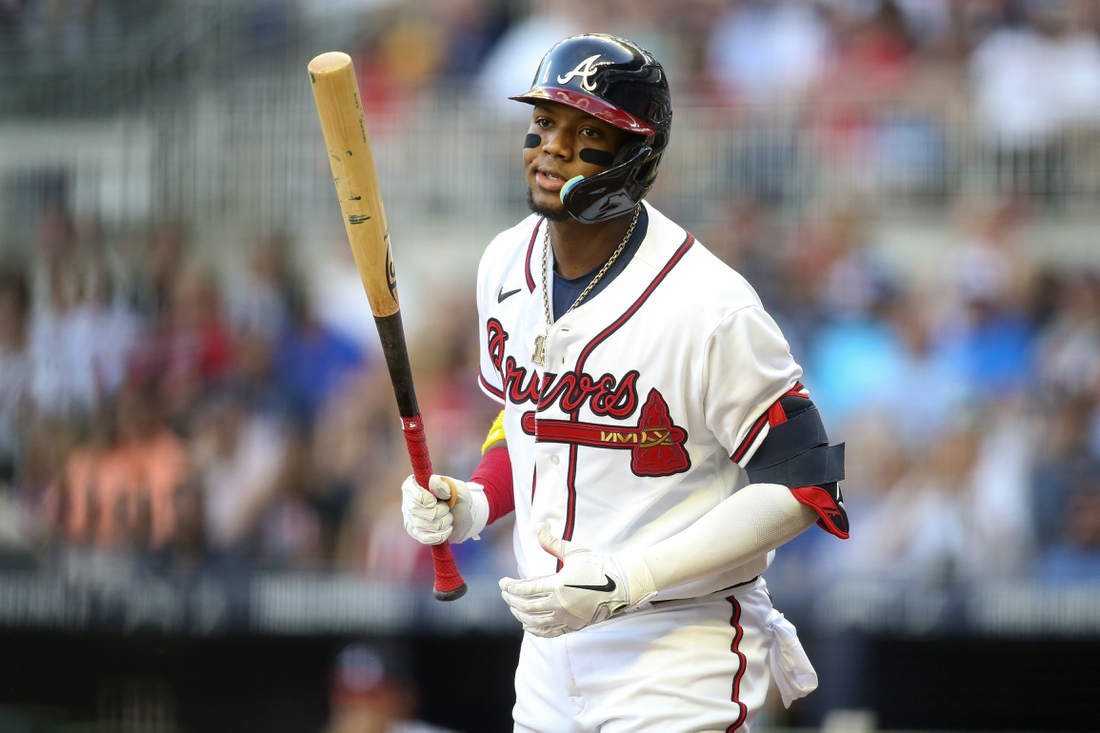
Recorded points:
(449, 585)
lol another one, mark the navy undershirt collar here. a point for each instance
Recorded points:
(566, 291)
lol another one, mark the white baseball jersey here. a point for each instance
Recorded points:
(654, 394)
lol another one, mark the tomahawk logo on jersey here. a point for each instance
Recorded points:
(632, 436)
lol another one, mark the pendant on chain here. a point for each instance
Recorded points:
(539, 357)
(540, 350)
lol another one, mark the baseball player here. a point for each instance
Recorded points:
(656, 444)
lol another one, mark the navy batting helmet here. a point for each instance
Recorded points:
(622, 84)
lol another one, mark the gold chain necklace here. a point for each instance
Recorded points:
(540, 340)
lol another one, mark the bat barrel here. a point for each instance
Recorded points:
(340, 110)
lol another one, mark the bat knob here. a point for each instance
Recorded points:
(449, 595)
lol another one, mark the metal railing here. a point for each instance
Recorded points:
(227, 158)
(445, 157)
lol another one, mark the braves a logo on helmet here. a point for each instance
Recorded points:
(585, 70)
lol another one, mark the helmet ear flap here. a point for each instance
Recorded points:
(629, 151)
(647, 171)
(615, 191)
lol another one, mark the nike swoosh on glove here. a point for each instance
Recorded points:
(430, 519)
(590, 587)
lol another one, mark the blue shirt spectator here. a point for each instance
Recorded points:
(311, 362)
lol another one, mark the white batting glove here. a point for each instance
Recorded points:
(470, 509)
(590, 587)
(431, 521)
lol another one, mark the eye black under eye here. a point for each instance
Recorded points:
(596, 157)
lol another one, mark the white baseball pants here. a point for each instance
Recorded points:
(689, 667)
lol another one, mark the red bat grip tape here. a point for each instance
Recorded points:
(449, 584)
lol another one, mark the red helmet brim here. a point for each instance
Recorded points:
(592, 105)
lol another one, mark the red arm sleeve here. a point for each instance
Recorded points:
(495, 474)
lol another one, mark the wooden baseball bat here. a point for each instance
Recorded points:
(339, 107)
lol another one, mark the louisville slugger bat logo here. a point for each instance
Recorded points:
(391, 271)
(358, 218)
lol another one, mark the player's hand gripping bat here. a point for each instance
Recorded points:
(336, 94)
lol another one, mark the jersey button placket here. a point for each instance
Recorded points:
(564, 342)
(548, 454)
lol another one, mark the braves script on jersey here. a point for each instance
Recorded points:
(626, 436)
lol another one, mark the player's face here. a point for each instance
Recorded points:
(564, 132)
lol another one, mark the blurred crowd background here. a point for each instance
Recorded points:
(189, 380)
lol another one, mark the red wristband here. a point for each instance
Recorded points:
(495, 474)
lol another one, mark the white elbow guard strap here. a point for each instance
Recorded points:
(796, 453)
